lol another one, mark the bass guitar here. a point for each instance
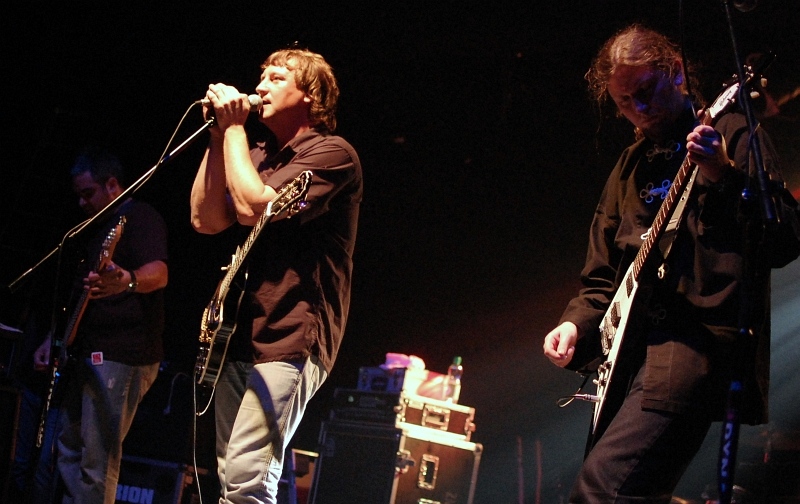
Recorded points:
(215, 329)
(61, 347)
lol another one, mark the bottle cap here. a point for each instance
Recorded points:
(457, 360)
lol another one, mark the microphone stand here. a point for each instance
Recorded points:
(754, 253)
(113, 205)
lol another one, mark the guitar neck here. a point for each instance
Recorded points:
(283, 202)
(77, 313)
(242, 251)
(662, 217)
(103, 260)
(682, 178)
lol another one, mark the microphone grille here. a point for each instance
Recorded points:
(255, 101)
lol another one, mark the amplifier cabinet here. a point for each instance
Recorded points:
(143, 480)
(401, 408)
(380, 464)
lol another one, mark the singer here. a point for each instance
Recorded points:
(297, 297)
(682, 335)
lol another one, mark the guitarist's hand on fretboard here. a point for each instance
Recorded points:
(559, 344)
(706, 148)
(41, 357)
(107, 282)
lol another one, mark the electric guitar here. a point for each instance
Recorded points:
(62, 346)
(610, 387)
(215, 330)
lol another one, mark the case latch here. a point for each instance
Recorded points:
(403, 461)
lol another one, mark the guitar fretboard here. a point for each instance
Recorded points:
(284, 201)
(662, 217)
(683, 176)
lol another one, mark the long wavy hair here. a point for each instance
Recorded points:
(635, 45)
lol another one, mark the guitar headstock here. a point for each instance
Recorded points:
(291, 197)
(730, 95)
(111, 240)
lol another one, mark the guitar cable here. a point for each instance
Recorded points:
(167, 410)
(194, 440)
(208, 404)
(566, 400)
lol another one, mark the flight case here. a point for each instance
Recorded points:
(400, 408)
(384, 464)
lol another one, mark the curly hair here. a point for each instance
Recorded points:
(634, 45)
(313, 75)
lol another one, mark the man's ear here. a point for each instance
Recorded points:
(679, 79)
(112, 187)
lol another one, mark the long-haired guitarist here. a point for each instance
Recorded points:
(114, 336)
(291, 302)
(673, 321)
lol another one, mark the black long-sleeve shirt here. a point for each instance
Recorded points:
(687, 323)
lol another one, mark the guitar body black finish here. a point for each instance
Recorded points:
(216, 328)
(216, 331)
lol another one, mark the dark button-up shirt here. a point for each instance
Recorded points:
(686, 324)
(300, 268)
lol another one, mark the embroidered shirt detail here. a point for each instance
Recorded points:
(668, 151)
(649, 192)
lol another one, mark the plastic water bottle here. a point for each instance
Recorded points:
(452, 383)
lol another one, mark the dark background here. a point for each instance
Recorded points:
(483, 160)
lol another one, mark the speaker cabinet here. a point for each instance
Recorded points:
(361, 462)
(148, 481)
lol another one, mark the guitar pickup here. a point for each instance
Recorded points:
(615, 318)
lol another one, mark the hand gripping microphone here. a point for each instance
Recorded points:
(254, 100)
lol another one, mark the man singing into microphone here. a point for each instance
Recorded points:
(682, 330)
(295, 306)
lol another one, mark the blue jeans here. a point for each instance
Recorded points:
(257, 410)
(32, 478)
(95, 418)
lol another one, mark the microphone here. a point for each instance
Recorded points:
(254, 100)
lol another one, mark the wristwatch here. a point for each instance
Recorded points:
(133, 283)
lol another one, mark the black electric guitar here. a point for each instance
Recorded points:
(215, 330)
(610, 386)
(61, 347)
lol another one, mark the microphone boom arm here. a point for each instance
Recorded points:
(112, 206)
